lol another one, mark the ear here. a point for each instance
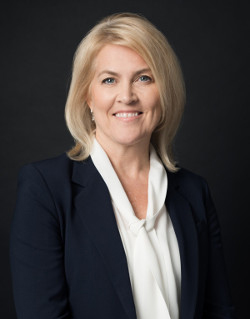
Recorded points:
(90, 104)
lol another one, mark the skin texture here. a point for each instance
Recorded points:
(123, 85)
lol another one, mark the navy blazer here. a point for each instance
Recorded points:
(67, 257)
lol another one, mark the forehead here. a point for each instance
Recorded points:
(113, 56)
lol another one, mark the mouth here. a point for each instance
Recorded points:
(127, 114)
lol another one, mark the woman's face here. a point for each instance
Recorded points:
(124, 98)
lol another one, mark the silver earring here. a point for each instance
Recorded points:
(92, 115)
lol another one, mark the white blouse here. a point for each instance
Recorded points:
(150, 244)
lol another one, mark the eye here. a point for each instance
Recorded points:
(145, 78)
(108, 81)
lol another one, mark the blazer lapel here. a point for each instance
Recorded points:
(93, 203)
(180, 212)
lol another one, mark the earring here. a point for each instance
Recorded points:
(92, 115)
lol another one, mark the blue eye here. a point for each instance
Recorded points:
(145, 78)
(109, 81)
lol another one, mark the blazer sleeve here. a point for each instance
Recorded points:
(218, 303)
(36, 251)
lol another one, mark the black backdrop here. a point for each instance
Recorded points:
(38, 40)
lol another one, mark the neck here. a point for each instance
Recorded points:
(128, 160)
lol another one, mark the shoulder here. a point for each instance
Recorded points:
(54, 173)
(186, 179)
(47, 183)
(51, 164)
(58, 174)
(189, 184)
(54, 167)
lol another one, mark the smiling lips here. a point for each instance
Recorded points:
(127, 114)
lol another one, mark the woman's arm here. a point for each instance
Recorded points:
(218, 303)
(36, 251)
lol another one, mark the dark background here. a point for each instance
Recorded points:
(211, 39)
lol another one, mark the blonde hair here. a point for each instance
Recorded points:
(137, 33)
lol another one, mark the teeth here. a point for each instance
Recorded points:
(127, 114)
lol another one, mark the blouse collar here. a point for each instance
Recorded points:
(157, 188)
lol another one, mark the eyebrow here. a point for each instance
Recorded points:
(117, 74)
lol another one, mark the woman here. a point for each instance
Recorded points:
(115, 229)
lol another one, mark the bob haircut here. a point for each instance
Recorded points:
(137, 33)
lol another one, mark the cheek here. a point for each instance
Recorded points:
(157, 111)
(155, 104)
(154, 96)
(157, 115)
(95, 101)
(100, 101)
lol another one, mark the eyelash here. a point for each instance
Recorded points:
(105, 81)
(146, 79)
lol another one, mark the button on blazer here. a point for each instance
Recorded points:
(67, 257)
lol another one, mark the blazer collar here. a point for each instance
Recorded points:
(94, 195)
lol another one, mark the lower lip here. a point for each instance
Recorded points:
(129, 118)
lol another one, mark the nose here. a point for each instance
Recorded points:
(127, 94)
